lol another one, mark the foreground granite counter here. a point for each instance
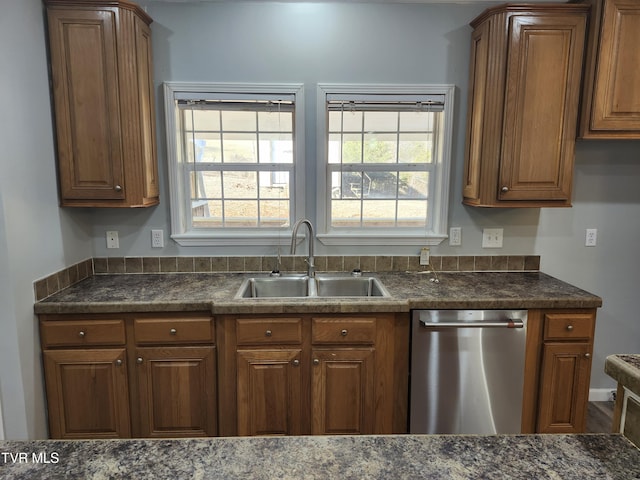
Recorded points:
(168, 292)
(625, 369)
(446, 457)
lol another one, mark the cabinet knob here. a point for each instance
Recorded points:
(267, 333)
(173, 331)
(81, 334)
(316, 361)
(296, 362)
(504, 189)
(117, 188)
(569, 328)
(343, 332)
(587, 355)
(139, 360)
(118, 362)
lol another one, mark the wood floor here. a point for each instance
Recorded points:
(599, 417)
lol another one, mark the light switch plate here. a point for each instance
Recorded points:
(492, 238)
(424, 256)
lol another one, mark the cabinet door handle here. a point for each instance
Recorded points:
(587, 355)
(173, 331)
(569, 328)
(504, 189)
(296, 362)
(343, 332)
(139, 360)
(267, 333)
(117, 188)
(81, 334)
(316, 361)
(118, 362)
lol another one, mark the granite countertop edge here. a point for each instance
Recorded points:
(215, 293)
(625, 369)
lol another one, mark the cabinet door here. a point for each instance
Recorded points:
(87, 393)
(544, 68)
(616, 94)
(177, 391)
(84, 71)
(342, 391)
(564, 390)
(269, 392)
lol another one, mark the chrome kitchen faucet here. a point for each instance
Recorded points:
(311, 267)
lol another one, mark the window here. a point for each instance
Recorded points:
(233, 165)
(385, 172)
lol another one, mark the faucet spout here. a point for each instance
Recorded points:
(311, 267)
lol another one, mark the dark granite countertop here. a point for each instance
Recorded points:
(625, 369)
(169, 292)
(451, 457)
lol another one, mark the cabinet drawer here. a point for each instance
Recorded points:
(174, 330)
(69, 333)
(359, 330)
(568, 326)
(267, 331)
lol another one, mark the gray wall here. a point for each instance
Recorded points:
(285, 42)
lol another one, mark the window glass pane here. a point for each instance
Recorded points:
(378, 213)
(204, 120)
(352, 148)
(335, 121)
(346, 185)
(276, 148)
(274, 213)
(207, 147)
(240, 213)
(416, 121)
(380, 184)
(238, 121)
(351, 121)
(380, 148)
(345, 213)
(412, 213)
(240, 185)
(381, 121)
(414, 185)
(415, 147)
(240, 148)
(334, 148)
(274, 185)
(206, 185)
(206, 213)
(275, 121)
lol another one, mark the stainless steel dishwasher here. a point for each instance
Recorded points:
(467, 371)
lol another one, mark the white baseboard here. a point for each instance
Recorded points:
(600, 394)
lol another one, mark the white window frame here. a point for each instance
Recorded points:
(438, 199)
(175, 91)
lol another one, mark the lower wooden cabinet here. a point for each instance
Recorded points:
(130, 375)
(87, 393)
(293, 375)
(558, 370)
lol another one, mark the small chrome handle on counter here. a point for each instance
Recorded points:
(296, 362)
(316, 361)
(118, 362)
(569, 328)
(81, 334)
(268, 333)
(139, 360)
(343, 332)
(173, 331)
(117, 188)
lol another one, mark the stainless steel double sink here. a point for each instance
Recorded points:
(322, 285)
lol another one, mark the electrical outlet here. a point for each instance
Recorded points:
(424, 256)
(112, 239)
(591, 238)
(157, 238)
(455, 236)
(492, 238)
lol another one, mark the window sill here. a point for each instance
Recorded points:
(378, 240)
(201, 240)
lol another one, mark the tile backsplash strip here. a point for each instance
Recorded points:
(132, 265)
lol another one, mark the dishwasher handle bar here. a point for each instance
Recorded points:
(508, 323)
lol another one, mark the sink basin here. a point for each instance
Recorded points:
(275, 287)
(303, 286)
(336, 286)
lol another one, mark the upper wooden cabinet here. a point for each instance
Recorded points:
(100, 56)
(524, 90)
(611, 96)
